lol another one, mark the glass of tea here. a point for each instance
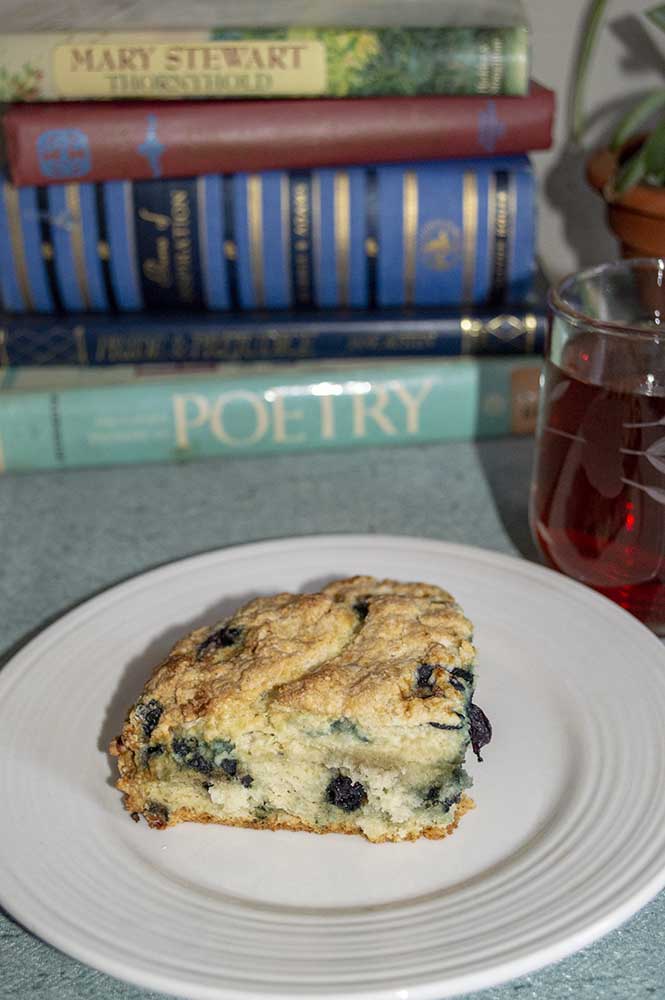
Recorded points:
(598, 494)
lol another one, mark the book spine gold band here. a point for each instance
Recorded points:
(342, 214)
(255, 227)
(12, 208)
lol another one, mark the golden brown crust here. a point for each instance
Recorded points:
(465, 804)
(371, 680)
(316, 653)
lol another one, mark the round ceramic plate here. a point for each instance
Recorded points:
(567, 840)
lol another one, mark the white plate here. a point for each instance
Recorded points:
(568, 838)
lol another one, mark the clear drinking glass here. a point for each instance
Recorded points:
(598, 494)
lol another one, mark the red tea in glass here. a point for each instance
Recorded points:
(598, 494)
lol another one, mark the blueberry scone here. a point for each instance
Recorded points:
(348, 711)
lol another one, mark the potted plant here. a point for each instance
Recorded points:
(630, 172)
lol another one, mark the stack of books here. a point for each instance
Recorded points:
(239, 240)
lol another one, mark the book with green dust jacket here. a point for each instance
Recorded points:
(340, 50)
(60, 418)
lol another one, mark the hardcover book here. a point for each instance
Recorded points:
(60, 418)
(443, 233)
(89, 339)
(341, 50)
(123, 140)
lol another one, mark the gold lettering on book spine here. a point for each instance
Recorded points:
(342, 211)
(470, 237)
(301, 239)
(73, 202)
(497, 63)
(81, 346)
(160, 221)
(158, 268)
(255, 230)
(12, 208)
(181, 232)
(409, 233)
(500, 238)
(316, 228)
(203, 235)
(512, 223)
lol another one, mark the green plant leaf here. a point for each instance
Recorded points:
(637, 116)
(631, 172)
(590, 30)
(654, 150)
(657, 15)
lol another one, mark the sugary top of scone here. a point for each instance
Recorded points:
(359, 649)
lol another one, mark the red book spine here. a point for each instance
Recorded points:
(122, 140)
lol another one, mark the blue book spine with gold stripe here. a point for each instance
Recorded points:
(447, 233)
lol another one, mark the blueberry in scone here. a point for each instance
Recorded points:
(348, 710)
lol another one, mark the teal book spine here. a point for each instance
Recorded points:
(433, 234)
(91, 418)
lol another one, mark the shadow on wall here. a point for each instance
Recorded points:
(582, 211)
(565, 187)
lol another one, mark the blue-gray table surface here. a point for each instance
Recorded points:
(64, 536)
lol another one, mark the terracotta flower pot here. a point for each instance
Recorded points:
(636, 217)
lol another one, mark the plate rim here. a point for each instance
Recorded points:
(18, 659)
